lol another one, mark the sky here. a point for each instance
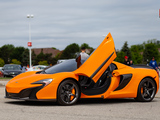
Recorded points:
(58, 23)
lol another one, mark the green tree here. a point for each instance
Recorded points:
(5, 52)
(40, 57)
(48, 57)
(54, 61)
(136, 56)
(54, 48)
(126, 50)
(86, 46)
(58, 56)
(33, 58)
(44, 57)
(43, 62)
(15, 61)
(140, 47)
(149, 52)
(17, 53)
(25, 57)
(1, 62)
(69, 51)
(120, 57)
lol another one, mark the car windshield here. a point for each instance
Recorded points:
(11, 67)
(66, 66)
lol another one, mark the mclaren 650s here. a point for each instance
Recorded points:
(98, 77)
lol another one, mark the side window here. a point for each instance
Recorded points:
(113, 67)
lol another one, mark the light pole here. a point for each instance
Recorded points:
(30, 43)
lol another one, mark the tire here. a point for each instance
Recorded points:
(146, 90)
(68, 92)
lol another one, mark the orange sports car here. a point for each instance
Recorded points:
(98, 77)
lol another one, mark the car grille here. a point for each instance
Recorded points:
(29, 92)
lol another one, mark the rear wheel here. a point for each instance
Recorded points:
(146, 90)
(68, 92)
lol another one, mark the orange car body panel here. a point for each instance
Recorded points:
(50, 92)
(130, 91)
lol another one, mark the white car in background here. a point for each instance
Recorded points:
(37, 68)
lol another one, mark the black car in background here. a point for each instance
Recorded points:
(11, 70)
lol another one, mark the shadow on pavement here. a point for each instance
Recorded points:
(104, 101)
(80, 102)
(32, 103)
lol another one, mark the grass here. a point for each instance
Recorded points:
(5, 78)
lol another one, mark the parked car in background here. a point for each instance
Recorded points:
(37, 68)
(11, 70)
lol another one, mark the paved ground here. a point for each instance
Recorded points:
(92, 109)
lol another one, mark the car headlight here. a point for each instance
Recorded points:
(45, 82)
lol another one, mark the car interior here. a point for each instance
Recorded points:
(89, 87)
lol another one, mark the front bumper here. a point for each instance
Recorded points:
(28, 94)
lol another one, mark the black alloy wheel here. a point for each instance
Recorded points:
(68, 92)
(146, 90)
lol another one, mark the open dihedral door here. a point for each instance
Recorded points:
(99, 60)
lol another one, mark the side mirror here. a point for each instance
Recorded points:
(115, 73)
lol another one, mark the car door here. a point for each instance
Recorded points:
(99, 60)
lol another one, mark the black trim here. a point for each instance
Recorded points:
(101, 66)
(34, 91)
(141, 66)
(28, 99)
(124, 80)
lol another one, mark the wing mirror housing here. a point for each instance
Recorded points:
(115, 73)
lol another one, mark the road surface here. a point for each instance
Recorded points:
(90, 109)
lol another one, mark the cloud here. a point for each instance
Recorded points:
(57, 23)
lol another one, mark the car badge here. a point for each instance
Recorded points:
(16, 82)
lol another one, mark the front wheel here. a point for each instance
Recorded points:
(68, 92)
(146, 90)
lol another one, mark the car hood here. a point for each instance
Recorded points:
(25, 80)
(99, 60)
(29, 77)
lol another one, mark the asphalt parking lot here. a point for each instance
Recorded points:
(90, 109)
